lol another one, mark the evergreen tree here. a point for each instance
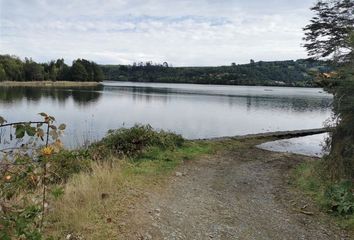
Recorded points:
(98, 75)
(2, 73)
(78, 72)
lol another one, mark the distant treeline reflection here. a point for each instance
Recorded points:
(80, 95)
(298, 103)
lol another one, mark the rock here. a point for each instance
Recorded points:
(72, 236)
(104, 195)
(179, 174)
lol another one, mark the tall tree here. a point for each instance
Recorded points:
(78, 72)
(33, 71)
(331, 34)
(98, 75)
(328, 32)
(63, 70)
(2, 73)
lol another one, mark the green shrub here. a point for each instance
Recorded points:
(20, 224)
(132, 141)
(339, 198)
(68, 162)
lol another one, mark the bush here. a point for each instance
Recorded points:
(339, 197)
(68, 162)
(132, 141)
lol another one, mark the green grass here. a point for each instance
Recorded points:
(308, 177)
(157, 161)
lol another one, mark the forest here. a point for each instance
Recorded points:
(12, 68)
(299, 73)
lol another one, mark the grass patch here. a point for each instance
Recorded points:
(95, 202)
(335, 198)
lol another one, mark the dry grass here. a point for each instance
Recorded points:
(93, 203)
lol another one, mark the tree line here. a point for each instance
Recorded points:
(299, 73)
(284, 73)
(12, 68)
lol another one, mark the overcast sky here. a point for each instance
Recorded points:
(181, 32)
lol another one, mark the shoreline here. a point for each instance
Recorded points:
(216, 84)
(275, 134)
(47, 84)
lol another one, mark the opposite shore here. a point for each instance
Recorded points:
(47, 84)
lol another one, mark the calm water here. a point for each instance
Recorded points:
(310, 145)
(195, 111)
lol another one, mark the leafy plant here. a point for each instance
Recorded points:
(68, 162)
(57, 192)
(132, 141)
(25, 169)
(340, 197)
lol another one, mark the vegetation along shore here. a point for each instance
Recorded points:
(143, 183)
(138, 182)
(299, 73)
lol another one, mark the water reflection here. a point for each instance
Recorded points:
(195, 111)
(311, 101)
(309, 146)
(80, 95)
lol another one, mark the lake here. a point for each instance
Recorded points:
(195, 111)
(313, 145)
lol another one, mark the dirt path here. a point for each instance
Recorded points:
(229, 196)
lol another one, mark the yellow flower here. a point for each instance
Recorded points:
(47, 151)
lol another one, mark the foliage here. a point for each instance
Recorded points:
(329, 30)
(280, 73)
(132, 141)
(340, 162)
(92, 200)
(66, 163)
(340, 197)
(78, 72)
(333, 197)
(24, 169)
(14, 69)
(331, 33)
(20, 225)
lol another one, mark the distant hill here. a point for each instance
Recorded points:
(277, 73)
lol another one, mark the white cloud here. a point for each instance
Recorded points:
(199, 32)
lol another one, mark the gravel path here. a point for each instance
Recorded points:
(230, 196)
